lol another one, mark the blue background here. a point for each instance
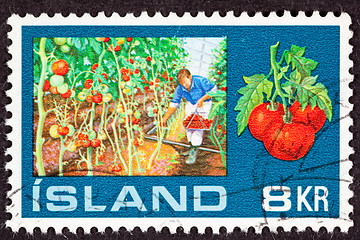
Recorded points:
(250, 167)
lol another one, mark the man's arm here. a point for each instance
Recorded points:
(201, 100)
(168, 113)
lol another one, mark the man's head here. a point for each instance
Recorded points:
(184, 77)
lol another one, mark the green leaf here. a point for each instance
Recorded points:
(297, 51)
(95, 45)
(252, 97)
(287, 57)
(303, 65)
(218, 93)
(310, 92)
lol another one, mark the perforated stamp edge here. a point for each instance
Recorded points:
(18, 221)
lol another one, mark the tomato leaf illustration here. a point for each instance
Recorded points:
(297, 51)
(253, 95)
(310, 92)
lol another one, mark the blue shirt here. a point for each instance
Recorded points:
(200, 86)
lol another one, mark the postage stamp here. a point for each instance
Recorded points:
(180, 121)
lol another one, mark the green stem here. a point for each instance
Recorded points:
(39, 139)
(62, 151)
(277, 77)
(90, 172)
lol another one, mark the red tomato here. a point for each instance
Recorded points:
(106, 39)
(54, 90)
(313, 117)
(157, 80)
(97, 98)
(105, 76)
(117, 48)
(86, 143)
(126, 78)
(78, 143)
(47, 85)
(289, 141)
(171, 78)
(148, 58)
(129, 39)
(123, 70)
(219, 72)
(60, 67)
(151, 83)
(88, 83)
(137, 71)
(261, 118)
(67, 94)
(136, 143)
(63, 130)
(95, 143)
(219, 127)
(82, 136)
(94, 67)
(223, 88)
(146, 88)
(131, 61)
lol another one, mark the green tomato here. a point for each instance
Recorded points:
(104, 88)
(137, 114)
(63, 88)
(137, 43)
(60, 41)
(92, 135)
(143, 65)
(71, 130)
(65, 48)
(82, 96)
(56, 80)
(107, 97)
(136, 64)
(70, 41)
(130, 83)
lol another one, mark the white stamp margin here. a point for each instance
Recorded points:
(17, 221)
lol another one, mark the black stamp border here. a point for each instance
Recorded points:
(138, 7)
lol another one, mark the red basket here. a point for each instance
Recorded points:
(197, 122)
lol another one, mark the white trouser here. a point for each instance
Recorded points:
(195, 137)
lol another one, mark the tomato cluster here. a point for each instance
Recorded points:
(286, 140)
(194, 121)
(87, 140)
(57, 84)
(59, 130)
(138, 142)
(99, 94)
(115, 168)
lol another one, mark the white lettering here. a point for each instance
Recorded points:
(120, 201)
(302, 198)
(197, 198)
(317, 198)
(172, 202)
(88, 202)
(61, 198)
(271, 198)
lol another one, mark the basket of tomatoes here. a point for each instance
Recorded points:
(197, 122)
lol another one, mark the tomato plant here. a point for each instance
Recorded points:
(297, 105)
(218, 111)
(99, 92)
